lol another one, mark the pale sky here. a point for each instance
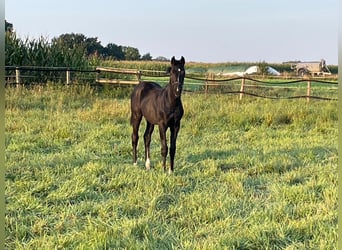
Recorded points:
(200, 30)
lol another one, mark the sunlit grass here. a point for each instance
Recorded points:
(249, 174)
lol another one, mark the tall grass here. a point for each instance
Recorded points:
(249, 174)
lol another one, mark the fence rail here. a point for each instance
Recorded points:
(196, 83)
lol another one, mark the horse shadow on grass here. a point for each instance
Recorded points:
(221, 156)
(276, 161)
(209, 154)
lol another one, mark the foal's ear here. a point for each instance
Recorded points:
(182, 60)
(173, 60)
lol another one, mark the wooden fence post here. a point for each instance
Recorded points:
(308, 91)
(17, 76)
(68, 76)
(97, 76)
(206, 85)
(213, 79)
(139, 76)
(242, 87)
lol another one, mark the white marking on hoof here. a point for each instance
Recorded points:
(135, 164)
(170, 172)
(148, 164)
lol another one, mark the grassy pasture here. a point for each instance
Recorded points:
(249, 174)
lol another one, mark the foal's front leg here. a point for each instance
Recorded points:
(173, 137)
(162, 133)
(147, 140)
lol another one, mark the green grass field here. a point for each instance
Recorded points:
(249, 174)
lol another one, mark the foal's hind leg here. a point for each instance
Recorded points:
(135, 120)
(147, 140)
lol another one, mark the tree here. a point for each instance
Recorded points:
(161, 59)
(93, 46)
(69, 50)
(70, 41)
(90, 45)
(113, 51)
(146, 57)
(8, 27)
(131, 54)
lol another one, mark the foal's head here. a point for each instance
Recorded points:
(177, 74)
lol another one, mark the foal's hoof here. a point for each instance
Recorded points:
(169, 172)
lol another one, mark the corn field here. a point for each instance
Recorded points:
(41, 52)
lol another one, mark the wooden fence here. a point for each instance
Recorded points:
(205, 83)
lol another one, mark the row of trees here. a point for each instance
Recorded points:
(65, 50)
(93, 47)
